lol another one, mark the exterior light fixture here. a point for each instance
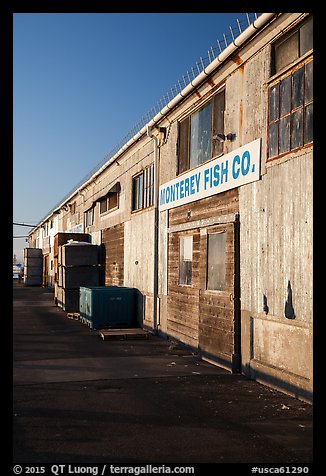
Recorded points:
(223, 137)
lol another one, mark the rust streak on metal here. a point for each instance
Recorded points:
(204, 97)
(241, 116)
(237, 60)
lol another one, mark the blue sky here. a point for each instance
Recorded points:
(81, 81)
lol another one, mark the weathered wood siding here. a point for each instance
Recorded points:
(217, 205)
(216, 308)
(183, 300)
(113, 242)
(196, 316)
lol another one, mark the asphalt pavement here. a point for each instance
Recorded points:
(80, 399)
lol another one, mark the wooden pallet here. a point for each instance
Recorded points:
(85, 321)
(73, 315)
(130, 333)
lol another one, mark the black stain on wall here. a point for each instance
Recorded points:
(265, 304)
(288, 308)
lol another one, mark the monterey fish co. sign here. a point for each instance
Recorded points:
(236, 168)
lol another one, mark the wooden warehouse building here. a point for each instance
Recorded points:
(207, 209)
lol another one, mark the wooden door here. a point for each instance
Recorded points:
(219, 300)
(113, 255)
(183, 286)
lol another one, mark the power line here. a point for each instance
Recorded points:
(24, 224)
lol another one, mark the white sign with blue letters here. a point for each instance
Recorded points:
(231, 170)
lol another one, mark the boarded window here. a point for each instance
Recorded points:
(216, 259)
(185, 260)
(195, 141)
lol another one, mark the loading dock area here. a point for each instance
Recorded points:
(207, 210)
(81, 399)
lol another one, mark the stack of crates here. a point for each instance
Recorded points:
(78, 265)
(60, 239)
(33, 266)
(108, 307)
